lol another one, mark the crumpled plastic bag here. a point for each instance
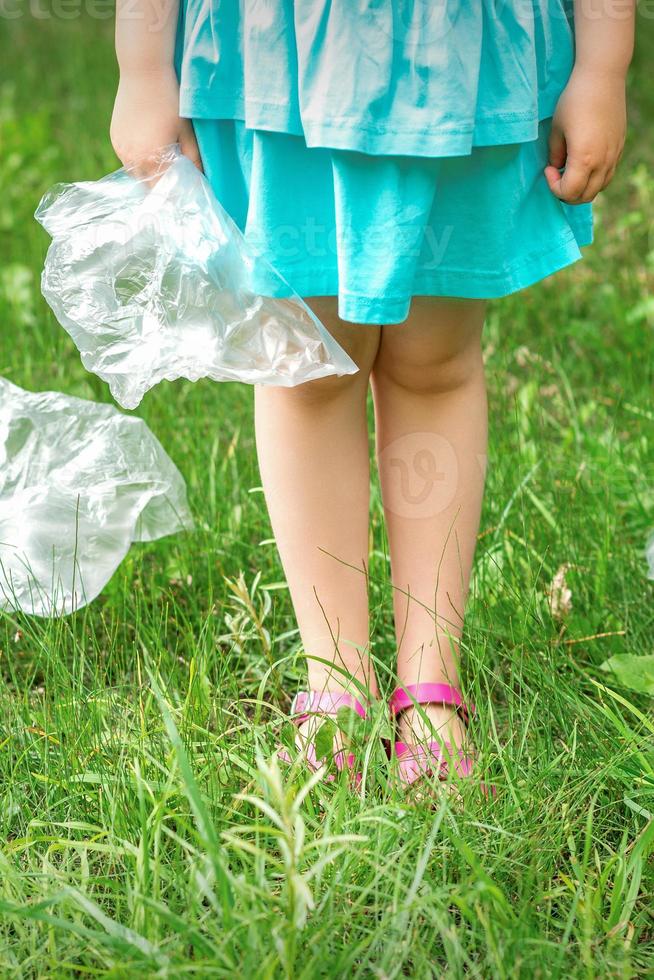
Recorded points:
(79, 482)
(649, 555)
(152, 279)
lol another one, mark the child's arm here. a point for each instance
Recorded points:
(589, 126)
(146, 112)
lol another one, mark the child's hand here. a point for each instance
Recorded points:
(146, 118)
(588, 134)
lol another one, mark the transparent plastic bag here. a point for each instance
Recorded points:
(649, 555)
(152, 279)
(79, 482)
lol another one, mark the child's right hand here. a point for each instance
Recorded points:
(146, 118)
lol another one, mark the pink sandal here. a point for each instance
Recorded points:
(434, 758)
(325, 704)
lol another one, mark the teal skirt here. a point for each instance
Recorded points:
(375, 230)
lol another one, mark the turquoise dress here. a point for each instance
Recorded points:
(375, 150)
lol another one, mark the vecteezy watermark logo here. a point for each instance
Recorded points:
(57, 9)
(156, 13)
(419, 473)
(377, 242)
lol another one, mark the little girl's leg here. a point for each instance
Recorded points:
(313, 448)
(431, 429)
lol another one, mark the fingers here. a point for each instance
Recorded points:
(577, 176)
(189, 144)
(557, 157)
(553, 177)
(580, 182)
(147, 168)
(141, 161)
(596, 183)
(558, 150)
(148, 159)
(573, 181)
(150, 166)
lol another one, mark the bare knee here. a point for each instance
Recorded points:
(433, 355)
(326, 389)
(361, 343)
(441, 372)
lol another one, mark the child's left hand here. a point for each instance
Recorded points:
(587, 137)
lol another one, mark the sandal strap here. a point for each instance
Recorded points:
(407, 697)
(328, 703)
(419, 760)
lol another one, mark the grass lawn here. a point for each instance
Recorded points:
(144, 830)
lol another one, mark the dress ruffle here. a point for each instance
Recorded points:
(377, 230)
(410, 77)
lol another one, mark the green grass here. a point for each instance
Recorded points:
(143, 829)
